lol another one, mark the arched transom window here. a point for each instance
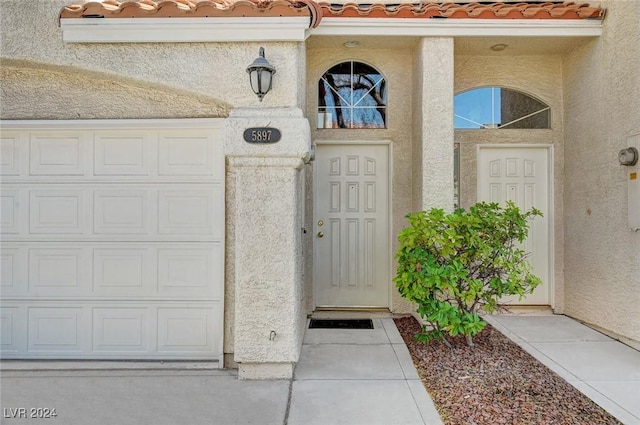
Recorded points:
(498, 107)
(352, 95)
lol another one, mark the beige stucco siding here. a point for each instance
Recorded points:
(602, 109)
(30, 32)
(416, 128)
(33, 91)
(540, 77)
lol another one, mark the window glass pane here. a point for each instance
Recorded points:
(473, 108)
(495, 107)
(522, 111)
(352, 95)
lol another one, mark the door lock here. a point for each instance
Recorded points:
(320, 234)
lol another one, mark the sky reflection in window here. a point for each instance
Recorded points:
(496, 107)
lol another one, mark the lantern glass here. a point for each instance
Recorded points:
(254, 79)
(265, 81)
(261, 75)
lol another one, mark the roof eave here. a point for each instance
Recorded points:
(184, 30)
(459, 27)
(246, 29)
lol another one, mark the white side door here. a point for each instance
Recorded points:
(522, 175)
(351, 225)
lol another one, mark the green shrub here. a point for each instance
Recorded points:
(453, 265)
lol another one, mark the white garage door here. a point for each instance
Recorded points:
(112, 239)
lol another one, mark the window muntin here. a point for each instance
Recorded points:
(352, 95)
(497, 107)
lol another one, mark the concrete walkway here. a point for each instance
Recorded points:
(358, 377)
(351, 377)
(605, 370)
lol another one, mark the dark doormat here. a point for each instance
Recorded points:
(341, 324)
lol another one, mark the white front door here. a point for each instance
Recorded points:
(521, 175)
(351, 225)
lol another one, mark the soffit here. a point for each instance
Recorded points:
(516, 46)
(469, 46)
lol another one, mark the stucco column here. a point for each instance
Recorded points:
(435, 64)
(265, 208)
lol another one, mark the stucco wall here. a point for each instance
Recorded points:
(602, 109)
(417, 123)
(31, 91)
(436, 108)
(30, 32)
(541, 77)
(396, 65)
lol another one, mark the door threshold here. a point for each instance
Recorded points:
(524, 310)
(349, 313)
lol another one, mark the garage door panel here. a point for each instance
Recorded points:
(187, 212)
(113, 155)
(55, 153)
(113, 212)
(129, 270)
(122, 211)
(60, 272)
(185, 329)
(57, 211)
(13, 321)
(122, 272)
(111, 330)
(185, 272)
(13, 267)
(188, 154)
(10, 217)
(121, 329)
(123, 153)
(12, 145)
(56, 329)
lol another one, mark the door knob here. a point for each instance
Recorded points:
(320, 234)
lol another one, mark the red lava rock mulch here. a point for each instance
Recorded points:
(495, 382)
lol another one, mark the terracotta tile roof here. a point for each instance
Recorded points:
(484, 10)
(316, 10)
(193, 8)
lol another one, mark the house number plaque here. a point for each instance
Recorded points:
(262, 135)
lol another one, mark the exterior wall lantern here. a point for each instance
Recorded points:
(628, 156)
(261, 75)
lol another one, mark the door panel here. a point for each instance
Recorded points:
(351, 225)
(521, 175)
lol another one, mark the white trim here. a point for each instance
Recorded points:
(459, 27)
(183, 30)
(551, 196)
(112, 123)
(296, 28)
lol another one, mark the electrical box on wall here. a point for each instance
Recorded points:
(633, 187)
